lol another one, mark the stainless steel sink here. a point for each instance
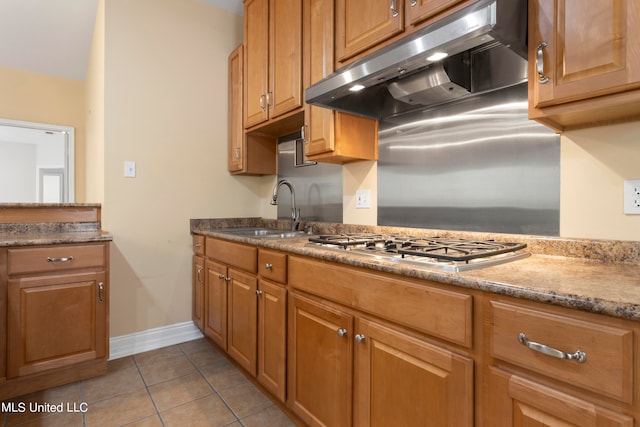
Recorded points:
(262, 233)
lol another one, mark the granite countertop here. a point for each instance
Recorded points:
(51, 234)
(598, 276)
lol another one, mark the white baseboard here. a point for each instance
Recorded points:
(151, 339)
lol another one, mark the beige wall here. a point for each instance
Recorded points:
(165, 107)
(40, 98)
(94, 111)
(595, 162)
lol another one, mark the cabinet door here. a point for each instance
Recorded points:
(419, 10)
(236, 129)
(361, 24)
(215, 295)
(515, 401)
(400, 380)
(331, 136)
(197, 289)
(272, 338)
(242, 304)
(56, 321)
(256, 61)
(320, 363)
(591, 49)
(285, 57)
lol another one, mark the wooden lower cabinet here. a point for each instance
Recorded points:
(197, 291)
(272, 337)
(246, 314)
(56, 312)
(215, 326)
(403, 381)
(349, 370)
(242, 317)
(55, 321)
(320, 363)
(516, 401)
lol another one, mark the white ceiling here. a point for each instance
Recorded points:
(54, 36)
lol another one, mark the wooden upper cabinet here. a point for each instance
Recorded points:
(236, 129)
(420, 10)
(248, 154)
(330, 136)
(581, 53)
(273, 59)
(361, 24)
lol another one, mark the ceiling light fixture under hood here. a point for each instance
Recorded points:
(479, 48)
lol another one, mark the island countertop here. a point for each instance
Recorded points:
(598, 276)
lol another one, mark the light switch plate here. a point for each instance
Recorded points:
(129, 169)
(363, 199)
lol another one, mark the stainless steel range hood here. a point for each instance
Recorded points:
(486, 50)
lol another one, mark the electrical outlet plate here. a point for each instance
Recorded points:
(632, 197)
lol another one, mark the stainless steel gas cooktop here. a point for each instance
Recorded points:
(438, 252)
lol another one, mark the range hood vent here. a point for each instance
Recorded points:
(486, 50)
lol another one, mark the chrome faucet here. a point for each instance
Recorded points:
(295, 213)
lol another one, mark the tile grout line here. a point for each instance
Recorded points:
(212, 387)
(146, 387)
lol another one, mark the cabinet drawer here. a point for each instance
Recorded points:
(55, 258)
(441, 313)
(198, 244)
(231, 253)
(272, 265)
(607, 369)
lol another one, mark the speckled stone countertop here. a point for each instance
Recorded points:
(51, 234)
(599, 276)
(20, 230)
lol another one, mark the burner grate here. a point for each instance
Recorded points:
(458, 249)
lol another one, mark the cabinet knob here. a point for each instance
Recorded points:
(542, 79)
(259, 292)
(414, 3)
(221, 276)
(342, 332)
(268, 266)
(360, 338)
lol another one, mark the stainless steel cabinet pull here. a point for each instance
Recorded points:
(259, 292)
(268, 266)
(579, 355)
(227, 279)
(198, 278)
(342, 332)
(394, 11)
(221, 276)
(63, 259)
(414, 3)
(100, 292)
(197, 245)
(269, 103)
(360, 338)
(542, 79)
(237, 153)
(262, 97)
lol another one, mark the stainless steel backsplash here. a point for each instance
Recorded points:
(318, 187)
(475, 165)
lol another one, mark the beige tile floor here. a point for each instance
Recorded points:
(189, 384)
